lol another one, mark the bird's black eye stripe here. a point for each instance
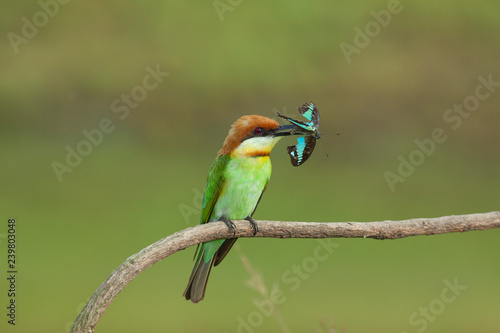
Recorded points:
(258, 130)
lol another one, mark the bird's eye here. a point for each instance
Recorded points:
(258, 130)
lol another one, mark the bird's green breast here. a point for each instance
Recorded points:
(245, 180)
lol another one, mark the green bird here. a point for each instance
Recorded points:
(235, 183)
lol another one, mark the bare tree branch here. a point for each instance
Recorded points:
(102, 298)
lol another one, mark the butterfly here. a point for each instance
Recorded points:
(305, 144)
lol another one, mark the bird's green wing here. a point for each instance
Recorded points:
(215, 183)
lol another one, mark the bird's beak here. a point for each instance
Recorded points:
(285, 130)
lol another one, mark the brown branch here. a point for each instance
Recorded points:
(102, 298)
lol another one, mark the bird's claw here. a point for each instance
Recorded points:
(253, 223)
(230, 225)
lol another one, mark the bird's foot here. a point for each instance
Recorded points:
(253, 223)
(230, 225)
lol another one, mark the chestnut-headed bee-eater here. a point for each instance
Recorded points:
(235, 183)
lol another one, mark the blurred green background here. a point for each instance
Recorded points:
(142, 181)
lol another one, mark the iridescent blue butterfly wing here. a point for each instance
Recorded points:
(302, 150)
(311, 113)
(298, 123)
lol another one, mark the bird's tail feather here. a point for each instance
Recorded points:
(195, 290)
